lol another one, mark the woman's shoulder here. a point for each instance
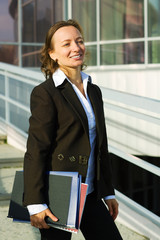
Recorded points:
(47, 85)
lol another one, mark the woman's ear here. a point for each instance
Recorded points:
(52, 55)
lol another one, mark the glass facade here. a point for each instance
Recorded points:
(122, 19)
(116, 32)
(85, 13)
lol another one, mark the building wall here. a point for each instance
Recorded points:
(140, 81)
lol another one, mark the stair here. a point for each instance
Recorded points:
(11, 159)
(10, 156)
(3, 139)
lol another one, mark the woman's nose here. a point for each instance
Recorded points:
(75, 46)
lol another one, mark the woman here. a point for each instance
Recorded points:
(67, 133)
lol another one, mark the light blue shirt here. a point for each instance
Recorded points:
(58, 78)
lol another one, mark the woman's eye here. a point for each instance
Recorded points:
(66, 45)
(80, 42)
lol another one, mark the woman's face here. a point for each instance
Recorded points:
(68, 47)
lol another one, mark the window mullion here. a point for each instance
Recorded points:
(146, 32)
(98, 31)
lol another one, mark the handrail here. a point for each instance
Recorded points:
(135, 160)
(138, 208)
(133, 113)
(149, 104)
(29, 74)
(144, 165)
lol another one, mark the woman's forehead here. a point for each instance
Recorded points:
(66, 33)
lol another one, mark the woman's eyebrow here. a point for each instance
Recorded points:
(67, 40)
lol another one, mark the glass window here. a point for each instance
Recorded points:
(29, 30)
(43, 18)
(48, 12)
(153, 18)
(2, 108)
(9, 54)
(31, 56)
(38, 16)
(85, 13)
(122, 53)
(8, 21)
(2, 84)
(58, 10)
(121, 19)
(154, 51)
(91, 55)
(24, 1)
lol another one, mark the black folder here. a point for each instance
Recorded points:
(64, 190)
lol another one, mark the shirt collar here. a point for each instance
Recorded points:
(59, 77)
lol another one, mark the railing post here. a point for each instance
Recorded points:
(7, 118)
(20, 32)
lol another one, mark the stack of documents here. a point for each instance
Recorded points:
(66, 198)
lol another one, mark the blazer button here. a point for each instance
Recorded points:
(83, 160)
(60, 157)
(72, 158)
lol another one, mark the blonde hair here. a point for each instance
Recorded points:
(49, 66)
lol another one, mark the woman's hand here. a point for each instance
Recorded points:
(113, 207)
(38, 220)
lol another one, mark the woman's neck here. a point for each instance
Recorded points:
(73, 74)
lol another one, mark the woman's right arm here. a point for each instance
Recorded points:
(41, 136)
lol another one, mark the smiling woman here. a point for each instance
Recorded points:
(68, 48)
(65, 38)
(68, 120)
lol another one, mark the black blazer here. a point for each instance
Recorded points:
(59, 139)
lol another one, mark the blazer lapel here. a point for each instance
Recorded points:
(73, 100)
(97, 108)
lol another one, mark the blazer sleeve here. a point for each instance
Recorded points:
(104, 169)
(41, 137)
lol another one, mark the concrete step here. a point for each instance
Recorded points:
(3, 139)
(5, 196)
(129, 234)
(10, 156)
(11, 162)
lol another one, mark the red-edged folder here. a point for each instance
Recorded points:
(66, 194)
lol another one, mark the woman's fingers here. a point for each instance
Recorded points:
(38, 220)
(113, 207)
(50, 215)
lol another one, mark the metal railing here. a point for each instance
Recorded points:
(140, 108)
(16, 85)
(143, 103)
